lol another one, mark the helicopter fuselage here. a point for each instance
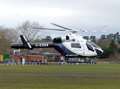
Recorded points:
(72, 45)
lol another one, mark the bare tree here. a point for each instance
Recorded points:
(26, 29)
(4, 43)
(11, 35)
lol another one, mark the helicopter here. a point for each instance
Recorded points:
(72, 46)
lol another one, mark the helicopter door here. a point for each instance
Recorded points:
(77, 48)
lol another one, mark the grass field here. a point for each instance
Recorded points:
(102, 76)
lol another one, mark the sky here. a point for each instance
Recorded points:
(96, 17)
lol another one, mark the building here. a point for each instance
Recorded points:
(35, 56)
(103, 37)
(115, 37)
(93, 38)
(86, 37)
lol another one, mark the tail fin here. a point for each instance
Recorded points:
(25, 42)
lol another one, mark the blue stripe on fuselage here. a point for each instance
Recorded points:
(63, 50)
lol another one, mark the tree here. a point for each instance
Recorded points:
(26, 30)
(113, 46)
(110, 48)
(4, 43)
(11, 35)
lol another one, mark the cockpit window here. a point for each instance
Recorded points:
(90, 47)
(75, 45)
(93, 44)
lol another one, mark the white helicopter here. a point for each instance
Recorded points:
(72, 45)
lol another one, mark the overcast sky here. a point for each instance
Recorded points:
(96, 16)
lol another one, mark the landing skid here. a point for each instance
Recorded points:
(81, 60)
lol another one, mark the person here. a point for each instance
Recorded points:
(23, 60)
(61, 60)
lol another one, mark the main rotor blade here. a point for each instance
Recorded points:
(61, 26)
(41, 28)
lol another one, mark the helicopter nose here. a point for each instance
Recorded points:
(99, 52)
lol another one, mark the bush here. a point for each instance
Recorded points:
(107, 52)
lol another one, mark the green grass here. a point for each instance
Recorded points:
(103, 76)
